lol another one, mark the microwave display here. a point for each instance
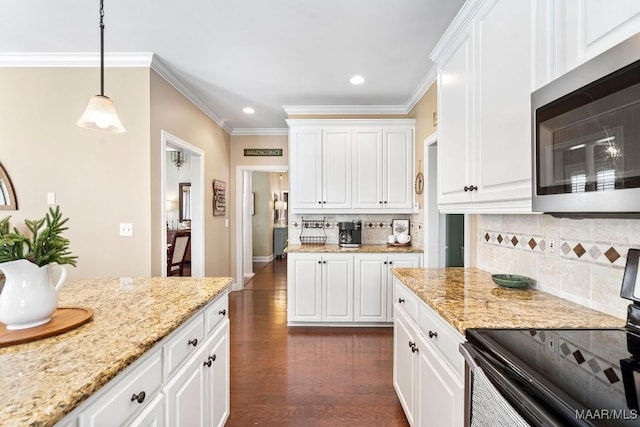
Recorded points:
(589, 139)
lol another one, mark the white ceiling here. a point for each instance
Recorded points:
(261, 53)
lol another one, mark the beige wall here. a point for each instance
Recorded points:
(172, 112)
(238, 144)
(99, 179)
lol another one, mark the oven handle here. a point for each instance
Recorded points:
(471, 362)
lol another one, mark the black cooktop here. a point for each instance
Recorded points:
(590, 376)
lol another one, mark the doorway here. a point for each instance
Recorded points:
(447, 235)
(244, 223)
(177, 202)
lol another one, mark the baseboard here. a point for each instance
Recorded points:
(249, 275)
(263, 258)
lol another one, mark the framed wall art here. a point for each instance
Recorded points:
(219, 197)
(399, 226)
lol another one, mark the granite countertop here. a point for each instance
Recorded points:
(374, 249)
(42, 381)
(468, 298)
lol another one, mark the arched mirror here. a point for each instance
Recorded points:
(8, 199)
(184, 199)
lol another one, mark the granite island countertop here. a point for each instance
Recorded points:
(365, 248)
(42, 381)
(468, 298)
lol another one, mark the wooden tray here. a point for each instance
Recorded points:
(63, 320)
(399, 244)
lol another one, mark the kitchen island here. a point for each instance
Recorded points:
(432, 310)
(42, 381)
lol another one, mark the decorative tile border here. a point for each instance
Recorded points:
(603, 253)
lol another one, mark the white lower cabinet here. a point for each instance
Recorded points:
(198, 394)
(373, 290)
(327, 288)
(427, 375)
(320, 287)
(182, 381)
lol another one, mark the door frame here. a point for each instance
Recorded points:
(197, 201)
(436, 222)
(241, 172)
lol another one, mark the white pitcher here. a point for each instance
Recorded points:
(28, 297)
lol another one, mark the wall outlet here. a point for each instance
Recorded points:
(126, 229)
(51, 198)
(552, 246)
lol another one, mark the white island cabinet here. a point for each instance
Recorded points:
(428, 372)
(181, 381)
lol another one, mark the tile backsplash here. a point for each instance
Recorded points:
(581, 260)
(375, 228)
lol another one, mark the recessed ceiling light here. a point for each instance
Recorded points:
(248, 110)
(357, 80)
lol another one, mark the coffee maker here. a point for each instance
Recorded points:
(350, 234)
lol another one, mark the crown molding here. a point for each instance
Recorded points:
(422, 88)
(304, 110)
(456, 29)
(165, 73)
(75, 59)
(260, 131)
(314, 123)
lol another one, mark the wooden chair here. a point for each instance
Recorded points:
(177, 251)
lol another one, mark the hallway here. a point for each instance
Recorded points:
(305, 376)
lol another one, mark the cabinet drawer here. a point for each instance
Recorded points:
(405, 299)
(216, 313)
(443, 338)
(185, 341)
(117, 403)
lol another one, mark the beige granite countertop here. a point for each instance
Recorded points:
(468, 298)
(42, 381)
(375, 249)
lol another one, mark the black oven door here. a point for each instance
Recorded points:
(513, 387)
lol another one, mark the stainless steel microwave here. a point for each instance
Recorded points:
(586, 136)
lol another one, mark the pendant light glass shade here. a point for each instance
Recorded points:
(101, 115)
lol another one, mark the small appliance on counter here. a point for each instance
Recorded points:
(553, 377)
(350, 234)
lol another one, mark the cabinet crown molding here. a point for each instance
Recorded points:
(456, 29)
(349, 122)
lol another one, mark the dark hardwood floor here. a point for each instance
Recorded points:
(284, 376)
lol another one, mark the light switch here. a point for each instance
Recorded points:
(126, 229)
(51, 198)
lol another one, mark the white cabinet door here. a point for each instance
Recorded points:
(586, 28)
(455, 119)
(404, 365)
(185, 394)
(370, 288)
(216, 374)
(440, 399)
(367, 168)
(304, 283)
(152, 415)
(398, 157)
(305, 158)
(503, 147)
(337, 288)
(336, 167)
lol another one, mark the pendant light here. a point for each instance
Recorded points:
(100, 113)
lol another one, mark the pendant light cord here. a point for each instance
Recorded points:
(101, 47)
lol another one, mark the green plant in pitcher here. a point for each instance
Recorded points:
(45, 244)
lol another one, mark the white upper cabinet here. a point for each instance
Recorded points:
(484, 87)
(586, 28)
(351, 166)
